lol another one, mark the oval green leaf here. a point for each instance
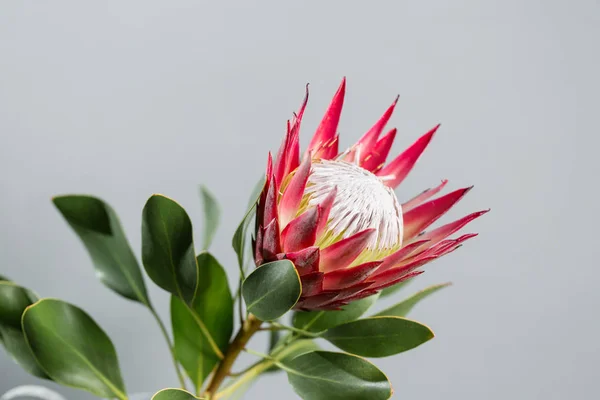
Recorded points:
(239, 237)
(318, 321)
(13, 302)
(378, 336)
(174, 394)
(272, 289)
(404, 307)
(98, 227)
(323, 375)
(212, 213)
(72, 349)
(213, 306)
(168, 247)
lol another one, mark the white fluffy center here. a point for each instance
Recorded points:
(362, 202)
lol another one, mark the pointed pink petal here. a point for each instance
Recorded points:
(258, 246)
(312, 283)
(305, 260)
(288, 156)
(353, 290)
(321, 301)
(302, 231)
(328, 127)
(271, 241)
(288, 206)
(334, 306)
(342, 253)
(426, 214)
(327, 151)
(398, 169)
(269, 207)
(376, 158)
(465, 237)
(438, 249)
(394, 259)
(298, 118)
(312, 302)
(326, 205)
(446, 246)
(260, 208)
(424, 195)
(269, 166)
(402, 279)
(340, 303)
(282, 156)
(395, 273)
(365, 144)
(346, 277)
(438, 234)
(293, 159)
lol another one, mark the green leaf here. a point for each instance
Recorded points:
(98, 227)
(13, 302)
(272, 289)
(256, 191)
(212, 213)
(72, 348)
(214, 306)
(2, 278)
(404, 307)
(323, 375)
(168, 247)
(174, 394)
(318, 321)
(388, 291)
(378, 336)
(239, 237)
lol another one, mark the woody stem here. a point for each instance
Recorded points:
(248, 329)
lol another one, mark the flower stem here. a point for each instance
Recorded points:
(255, 370)
(249, 328)
(163, 329)
(295, 330)
(246, 377)
(243, 372)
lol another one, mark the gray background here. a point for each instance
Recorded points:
(126, 98)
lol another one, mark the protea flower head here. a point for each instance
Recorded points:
(336, 217)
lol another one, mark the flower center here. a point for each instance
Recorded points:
(362, 202)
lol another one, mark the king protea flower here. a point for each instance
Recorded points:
(336, 216)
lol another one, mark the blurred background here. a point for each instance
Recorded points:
(125, 99)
